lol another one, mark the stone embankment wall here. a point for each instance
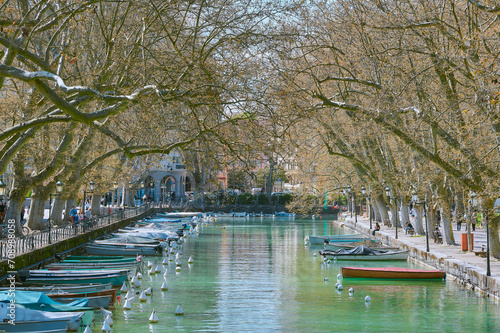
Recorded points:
(470, 276)
(47, 252)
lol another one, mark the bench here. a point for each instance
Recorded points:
(411, 232)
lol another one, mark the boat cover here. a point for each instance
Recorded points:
(23, 314)
(39, 301)
(358, 250)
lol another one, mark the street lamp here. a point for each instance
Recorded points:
(349, 191)
(414, 198)
(59, 189)
(115, 188)
(473, 202)
(363, 192)
(388, 194)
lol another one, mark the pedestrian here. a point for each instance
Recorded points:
(73, 214)
(23, 211)
(377, 228)
(459, 222)
(473, 221)
(2, 211)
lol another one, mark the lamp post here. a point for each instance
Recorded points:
(473, 203)
(388, 194)
(488, 268)
(59, 189)
(414, 198)
(85, 191)
(350, 199)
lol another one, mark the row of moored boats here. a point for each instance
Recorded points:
(63, 295)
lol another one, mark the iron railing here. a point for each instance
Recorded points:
(38, 239)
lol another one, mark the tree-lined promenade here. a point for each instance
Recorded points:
(396, 94)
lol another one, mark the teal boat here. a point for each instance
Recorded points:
(116, 278)
(93, 258)
(90, 259)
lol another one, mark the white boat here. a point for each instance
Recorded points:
(364, 253)
(129, 250)
(34, 321)
(284, 214)
(320, 240)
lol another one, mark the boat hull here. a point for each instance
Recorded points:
(402, 255)
(115, 280)
(319, 240)
(392, 273)
(110, 292)
(120, 251)
(338, 246)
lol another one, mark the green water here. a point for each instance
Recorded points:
(256, 275)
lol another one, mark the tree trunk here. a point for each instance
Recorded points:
(446, 221)
(70, 202)
(57, 210)
(419, 223)
(269, 187)
(96, 203)
(376, 213)
(39, 196)
(382, 208)
(394, 215)
(431, 220)
(405, 215)
(494, 224)
(14, 207)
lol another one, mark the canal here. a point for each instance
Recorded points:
(256, 275)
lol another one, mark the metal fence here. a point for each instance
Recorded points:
(54, 234)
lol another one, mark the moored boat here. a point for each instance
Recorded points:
(128, 250)
(64, 295)
(34, 321)
(364, 253)
(116, 278)
(392, 273)
(52, 289)
(320, 240)
(375, 246)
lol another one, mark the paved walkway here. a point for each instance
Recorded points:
(448, 251)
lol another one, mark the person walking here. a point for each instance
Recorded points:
(73, 214)
(2, 211)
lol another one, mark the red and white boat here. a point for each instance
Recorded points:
(392, 273)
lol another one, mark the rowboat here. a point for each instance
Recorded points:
(319, 240)
(34, 321)
(91, 265)
(57, 295)
(376, 246)
(99, 259)
(392, 273)
(128, 250)
(72, 289)
(364, 253)
(116, 278)
(95, 302)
